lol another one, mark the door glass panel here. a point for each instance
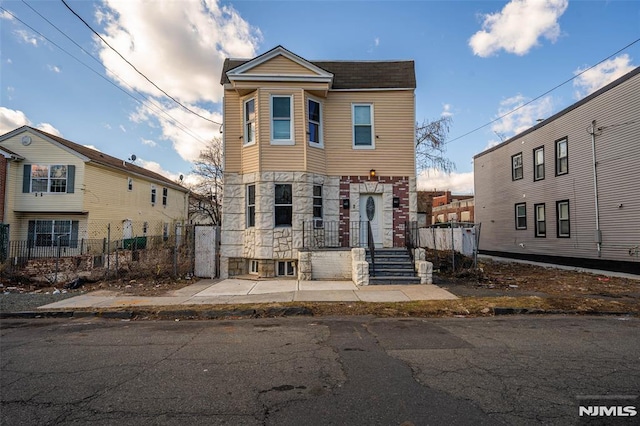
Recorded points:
(370, 208)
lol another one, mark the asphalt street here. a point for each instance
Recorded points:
(317, 371)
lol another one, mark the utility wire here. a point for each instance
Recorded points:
(545, 93)
(151, 104)
(136, 69)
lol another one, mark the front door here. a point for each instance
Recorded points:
(371, 211)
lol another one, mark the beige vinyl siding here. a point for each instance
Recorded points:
(316, 156)
(394, 134)
(42, 152)
(618, 155)
(20, 229)
(232, 132)
(108, 199)
(282, 157)
(280, 65)
(244, 86)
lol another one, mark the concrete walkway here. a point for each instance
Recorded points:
(237, 291)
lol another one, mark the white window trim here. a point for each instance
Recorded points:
(244, 122)
(292, 138)
(248, 205)
(514, 168)
(154, 195)
(536, 164)
(313, 200)
(165, 196)
(524, 205)
(353, 127)
(320, 124)
(130, 184)
(287, 263)
(49, 179)
(253, 267)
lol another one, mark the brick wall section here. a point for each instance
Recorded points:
(400, 214)
(3, 184)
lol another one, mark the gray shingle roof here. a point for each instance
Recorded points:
(355, 74)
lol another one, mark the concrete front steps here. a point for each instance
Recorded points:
(393, 266)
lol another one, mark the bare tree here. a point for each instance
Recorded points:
(431, 144)
(206, 198)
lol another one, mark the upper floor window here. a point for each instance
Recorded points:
(130, 184)
(283, 204)
(521, 216)
(315, 122)
(562, 157)
(362, 126)
(540, 220)
(282, 119)
(153, 194)
(562, 213)
(249, 121)
(165, 195)
(516, 166)
(317, 201)
(48, 178)
(538, 163)
(251, 206)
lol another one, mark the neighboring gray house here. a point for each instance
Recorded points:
(568, 189)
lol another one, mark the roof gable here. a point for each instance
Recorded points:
(93, 156)
(278, 64)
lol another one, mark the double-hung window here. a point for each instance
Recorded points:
(48, 178)
(283, 204)
(153, 195)
(562, 213)
(165, 196)
(540, 220)
(130, 184)
(314, 111)
(521, 216)
(317, 201)
(363, 131)
(251, 206)
(50, 233)
(516, 166)
(249, 121)
(282, 119)
(538, 163)
(562, 157)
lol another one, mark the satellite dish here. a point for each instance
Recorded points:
(181, 177)
(133, 157)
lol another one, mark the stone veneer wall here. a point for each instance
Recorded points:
(263, 241)
(3, 184)
(393, 219)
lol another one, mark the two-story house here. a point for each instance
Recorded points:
(568, 189)
(61, 193)
(322, 145)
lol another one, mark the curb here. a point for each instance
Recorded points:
(533, 311)
(164, 315)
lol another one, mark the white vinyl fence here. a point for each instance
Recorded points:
(461, 239)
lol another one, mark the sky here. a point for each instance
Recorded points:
(475, 62)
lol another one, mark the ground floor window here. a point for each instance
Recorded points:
(50, 233)
(253, 266)
(286, 268)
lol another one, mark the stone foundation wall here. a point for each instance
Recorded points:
(331, 265)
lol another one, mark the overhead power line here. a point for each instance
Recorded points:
(136, 69)
(150, 103)
(545, 93)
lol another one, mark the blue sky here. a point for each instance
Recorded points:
(475, 60)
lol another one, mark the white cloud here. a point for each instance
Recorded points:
(600, 75)
(9, 61)
(446, 110)
(188, 133)
(376, 41)
(433, 179)
(46, 127)
(93, 147)
(6, 15)
(122, 129)
(149, 142)
(54, 68)
(12, 119)
(525, 117)
(188, 180)
(179, 45)
(518, 27)
(27, 37)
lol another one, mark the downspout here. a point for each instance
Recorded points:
(598, 233)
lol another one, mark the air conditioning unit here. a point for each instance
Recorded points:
(318, 224)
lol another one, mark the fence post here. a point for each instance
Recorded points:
(108, 247)
(453, 251)
(175, 251)
(55, 277)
